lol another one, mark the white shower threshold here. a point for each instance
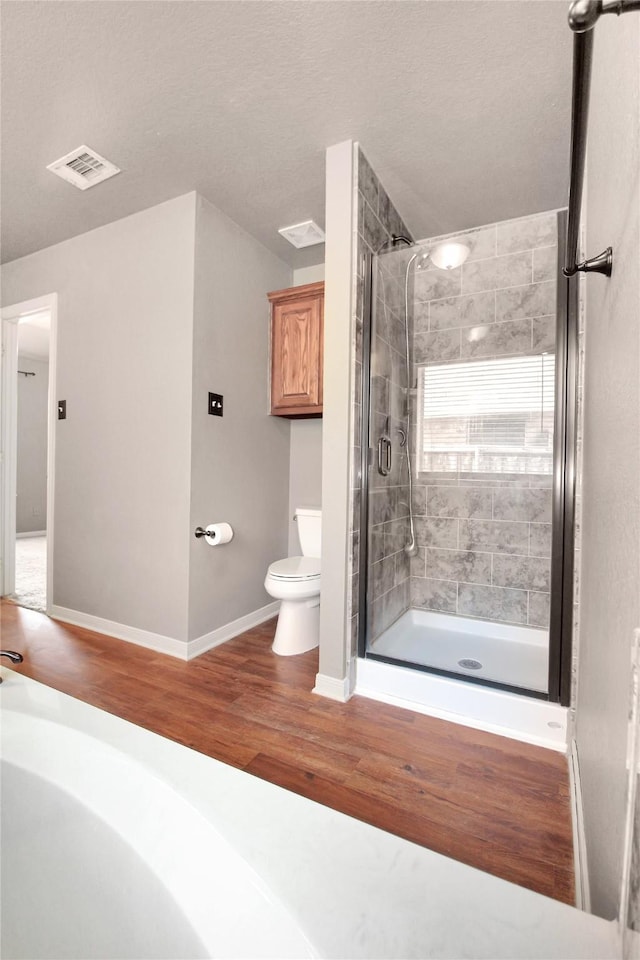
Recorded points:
(484, 708)
(487, 708)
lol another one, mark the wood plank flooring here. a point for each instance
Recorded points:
(494, 803)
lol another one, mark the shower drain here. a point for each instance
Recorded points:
(470, 664)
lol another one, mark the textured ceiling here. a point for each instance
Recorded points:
(462, 108)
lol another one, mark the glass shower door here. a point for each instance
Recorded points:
(387, 491)
(463, 390)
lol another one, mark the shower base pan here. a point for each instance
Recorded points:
(513, 656)
(510, 655)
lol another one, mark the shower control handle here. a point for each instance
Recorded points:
(384, 456)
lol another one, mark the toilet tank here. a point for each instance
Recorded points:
(309, 530)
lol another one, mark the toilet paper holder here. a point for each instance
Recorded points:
(215, 533)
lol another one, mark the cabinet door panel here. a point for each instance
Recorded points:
(296, 379)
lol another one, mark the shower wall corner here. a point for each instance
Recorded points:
(332, 679)
(376, 222)
(360, 219)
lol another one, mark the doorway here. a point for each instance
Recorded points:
(28, 451)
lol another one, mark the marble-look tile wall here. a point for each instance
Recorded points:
(388, 586)
(485, 541)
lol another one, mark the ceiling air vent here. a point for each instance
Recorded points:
(83, 168)
(304, 234)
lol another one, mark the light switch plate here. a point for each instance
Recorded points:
(215, 404)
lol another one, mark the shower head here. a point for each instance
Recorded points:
(398, 238)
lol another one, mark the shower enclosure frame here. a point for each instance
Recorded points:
(563, 490)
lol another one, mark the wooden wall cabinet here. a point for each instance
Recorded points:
(297, 316)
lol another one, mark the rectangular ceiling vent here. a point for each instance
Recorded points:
(83, 168)
(304, 234)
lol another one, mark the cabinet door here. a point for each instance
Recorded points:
(296, 375)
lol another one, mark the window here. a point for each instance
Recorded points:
(487, 416)
(496, 431)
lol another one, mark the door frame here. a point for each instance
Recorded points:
(562, 598)
(10, 317)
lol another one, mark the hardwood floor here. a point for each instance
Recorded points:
(494, 803)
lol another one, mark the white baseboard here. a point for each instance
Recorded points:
(483, 708)
(31, 533)
(143, 638)
(156, 641)
(229, 630)
(332, 688)
(583, 894)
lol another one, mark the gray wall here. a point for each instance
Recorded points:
(240, 462)
(312, 274)
(485, 540)
(610, 549)
(125, 319)
(33, 406)
(305, 473)
(305, 458)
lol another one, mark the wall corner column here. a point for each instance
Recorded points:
(334, 679)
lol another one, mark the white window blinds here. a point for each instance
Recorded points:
(487, 416)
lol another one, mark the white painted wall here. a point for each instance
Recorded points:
(125, 327)
(610, 570)
(31, 479)
(305, 459)
(240, 462)
(332, 677)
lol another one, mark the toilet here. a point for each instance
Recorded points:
(296, 582)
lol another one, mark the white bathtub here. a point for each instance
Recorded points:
(98, 860)
(118, 843)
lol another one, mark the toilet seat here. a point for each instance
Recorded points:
(295, 569)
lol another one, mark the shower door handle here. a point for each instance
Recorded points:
(384, 456)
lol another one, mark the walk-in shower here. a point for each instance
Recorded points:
(469, 382)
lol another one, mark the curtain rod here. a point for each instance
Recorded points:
(583, 16)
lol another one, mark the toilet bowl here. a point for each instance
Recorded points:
(295, 581)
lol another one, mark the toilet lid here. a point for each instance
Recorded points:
(296, 568)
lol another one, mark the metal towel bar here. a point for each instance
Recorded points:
(583, 16)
